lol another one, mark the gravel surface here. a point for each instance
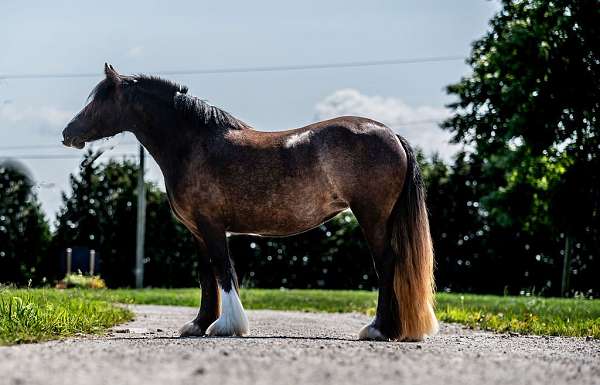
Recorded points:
(297, 348)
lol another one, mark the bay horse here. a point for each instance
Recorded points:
(222, 176)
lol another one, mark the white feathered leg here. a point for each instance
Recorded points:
(233, 320)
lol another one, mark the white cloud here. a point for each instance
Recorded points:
(46, 119)
(419, 125)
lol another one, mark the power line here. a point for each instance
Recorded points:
(30, 146)
(56, 156)
(280, 68)
(48, 146)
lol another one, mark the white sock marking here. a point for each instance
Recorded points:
(233, 320)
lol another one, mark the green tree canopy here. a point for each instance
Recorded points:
(529, 112)
(24, 232)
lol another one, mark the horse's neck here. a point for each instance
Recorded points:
(172, 146)
(167, 148)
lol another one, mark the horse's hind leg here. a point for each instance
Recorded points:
(209, 307)
(374, 225)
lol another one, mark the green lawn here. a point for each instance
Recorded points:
(32, 315)
(526, 315)
(41, 314)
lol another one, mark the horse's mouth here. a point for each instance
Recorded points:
(74, 142)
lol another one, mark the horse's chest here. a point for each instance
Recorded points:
(193, 202)
(183, 214)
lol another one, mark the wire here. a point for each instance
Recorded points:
(32, 146)
(293, 67)
(57, 156)
(49, 146)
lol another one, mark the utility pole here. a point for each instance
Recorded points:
(564, 287)
(141, 224)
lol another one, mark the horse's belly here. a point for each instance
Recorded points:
(283, 221)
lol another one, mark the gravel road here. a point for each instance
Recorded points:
(297, 348)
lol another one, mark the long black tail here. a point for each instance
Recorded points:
(414, 284)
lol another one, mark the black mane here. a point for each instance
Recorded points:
(198, 111)
(157, 86)
(202, 113)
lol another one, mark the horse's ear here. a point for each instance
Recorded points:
(110, 72)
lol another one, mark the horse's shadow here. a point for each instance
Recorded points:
(281, 337)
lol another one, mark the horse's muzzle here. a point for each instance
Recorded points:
(74, 141)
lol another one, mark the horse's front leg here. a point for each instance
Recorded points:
(232, 320)
(209, 301)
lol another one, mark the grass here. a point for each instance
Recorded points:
(329, 301)
(41, 314)
(576, 317)
(32, 315)
(525, 315)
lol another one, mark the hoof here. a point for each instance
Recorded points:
(233, 320)
(370, 332)
(226, 326)
(191, 329)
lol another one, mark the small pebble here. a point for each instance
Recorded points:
(200, 371)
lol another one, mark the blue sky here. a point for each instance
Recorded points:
(152, 36)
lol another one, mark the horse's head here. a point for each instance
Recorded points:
(104, 115)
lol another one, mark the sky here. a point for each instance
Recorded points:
(41, 37)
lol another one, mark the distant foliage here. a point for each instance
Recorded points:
(24, 232)
(530, 113)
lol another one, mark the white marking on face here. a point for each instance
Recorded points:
(233, 320)
(296, 139)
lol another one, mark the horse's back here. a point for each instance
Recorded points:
(336, 152)
(279, 183)
(362, 157)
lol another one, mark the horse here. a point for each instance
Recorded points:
(223, 176)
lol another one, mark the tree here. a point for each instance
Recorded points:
(530, 112)
(24, 232)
